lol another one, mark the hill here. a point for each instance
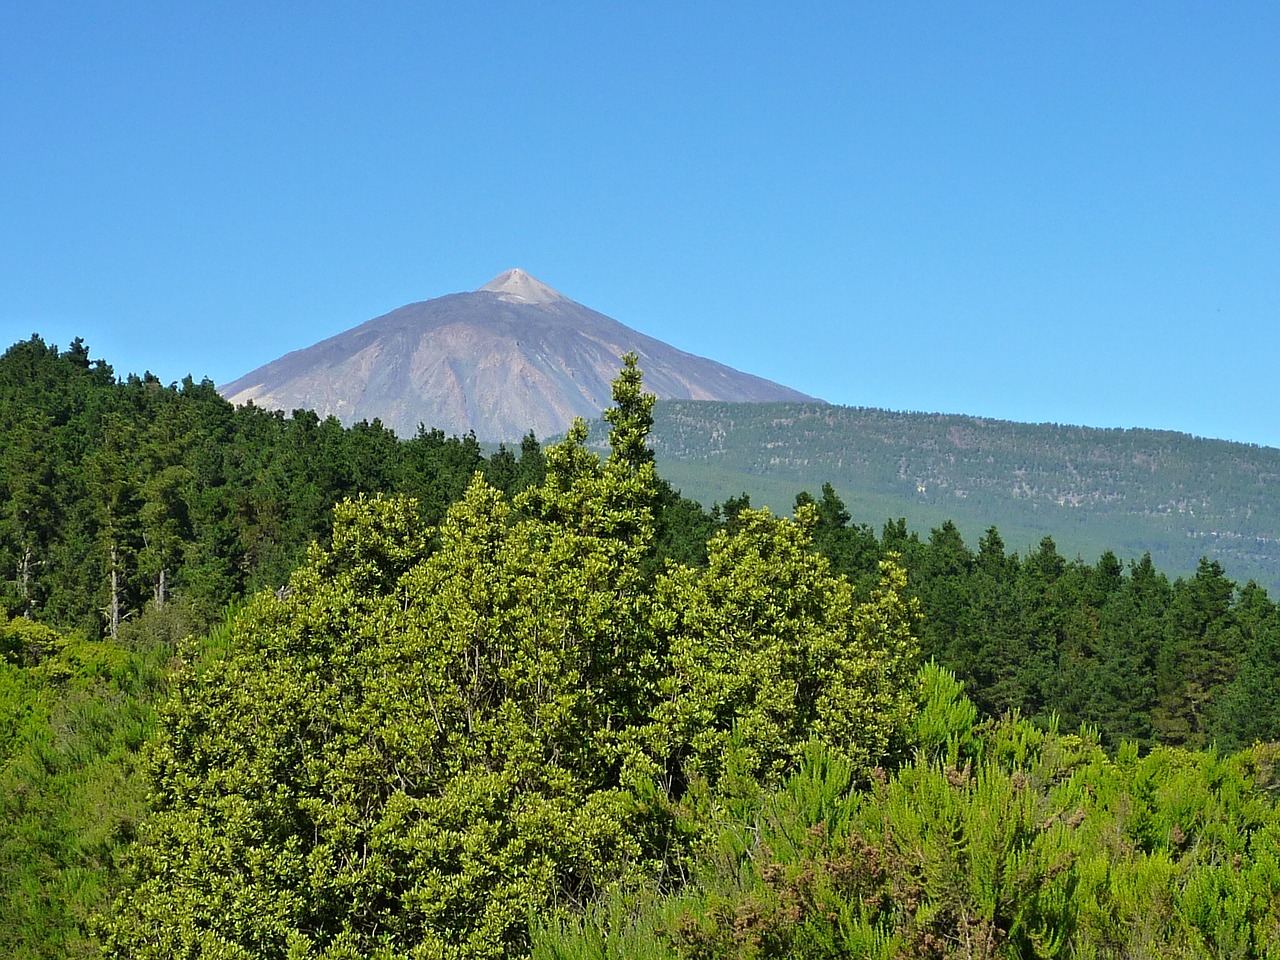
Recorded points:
(512, 356)
(1133, 491)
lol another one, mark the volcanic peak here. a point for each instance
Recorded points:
(518, 285)
(500, 361)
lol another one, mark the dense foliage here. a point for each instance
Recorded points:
(999, 839)
(1191, 662)
(131, 514)
(550, 687)
(114, 494)
(417, 749)
(73, 715)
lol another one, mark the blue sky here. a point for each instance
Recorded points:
(1033, 211)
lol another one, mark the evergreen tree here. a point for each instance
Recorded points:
(1132, 623)
(1248, 709)
(1198, 657)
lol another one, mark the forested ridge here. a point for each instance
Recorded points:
(1133, 491)
(275, 687)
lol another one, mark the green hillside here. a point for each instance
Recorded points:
(1132, 491)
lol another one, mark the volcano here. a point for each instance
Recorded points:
(513, 356)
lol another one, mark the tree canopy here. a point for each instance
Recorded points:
(435, 733)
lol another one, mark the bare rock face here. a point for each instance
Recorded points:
(511, 357)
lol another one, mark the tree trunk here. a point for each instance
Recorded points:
(114, 610)
(24, 580)
(161, 594)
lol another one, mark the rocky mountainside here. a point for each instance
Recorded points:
(512, 356)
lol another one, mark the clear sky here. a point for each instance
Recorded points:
(1037, 211)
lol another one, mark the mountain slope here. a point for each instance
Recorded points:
(511, 356)
(1133, 491)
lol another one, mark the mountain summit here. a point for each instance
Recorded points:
(518, 285)
(512, 356)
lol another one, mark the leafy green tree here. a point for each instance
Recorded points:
(414, 750)
(435, 469)
(416, 747)
(768, 649)
(683, 528)
(727, 513)
(944, 587)
(852, 549)
(991, 557)
(114, 479)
